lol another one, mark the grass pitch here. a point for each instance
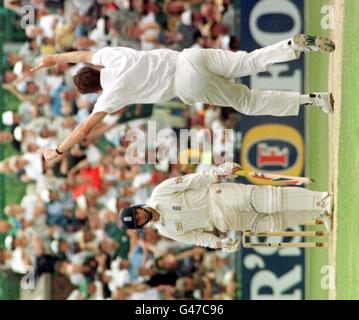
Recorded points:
(317, 67)
(347, 255)
(346, 144)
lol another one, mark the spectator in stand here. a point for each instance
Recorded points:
(68, 220)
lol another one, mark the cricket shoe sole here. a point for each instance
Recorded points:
(304, 42)
(328, 203)
(325, 101)
(327, 220)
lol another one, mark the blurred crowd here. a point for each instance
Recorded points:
(68, 221)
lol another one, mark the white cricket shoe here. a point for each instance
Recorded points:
(327, 220)
(328, 203)
(304, 42)
(323, 100)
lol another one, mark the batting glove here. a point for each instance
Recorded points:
(227, 169)
(230, 245)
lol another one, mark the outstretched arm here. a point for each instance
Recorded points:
(77, 135)
(21, 96)
(62, 58)
(100, 130)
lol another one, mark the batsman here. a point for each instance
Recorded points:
(191, 208)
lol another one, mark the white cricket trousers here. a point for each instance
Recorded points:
(277, 208)
(263, 208)
(206, 75)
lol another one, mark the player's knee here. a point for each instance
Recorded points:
(278, 222)
(271, 223)
(267, 199)
(243, 103)
(200, 89)
(255, 63)
(195, 57)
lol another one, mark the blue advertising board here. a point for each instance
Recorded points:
(274, 144)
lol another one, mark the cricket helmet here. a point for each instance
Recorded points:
(128, 217)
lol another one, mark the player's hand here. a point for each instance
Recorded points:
(227, 169)
(47, 62)
(49, 154)
(230, 245)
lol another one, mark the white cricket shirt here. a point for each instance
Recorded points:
(131, 77)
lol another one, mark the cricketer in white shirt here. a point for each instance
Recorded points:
(191, 207)
(131, 76)
(125, 76)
